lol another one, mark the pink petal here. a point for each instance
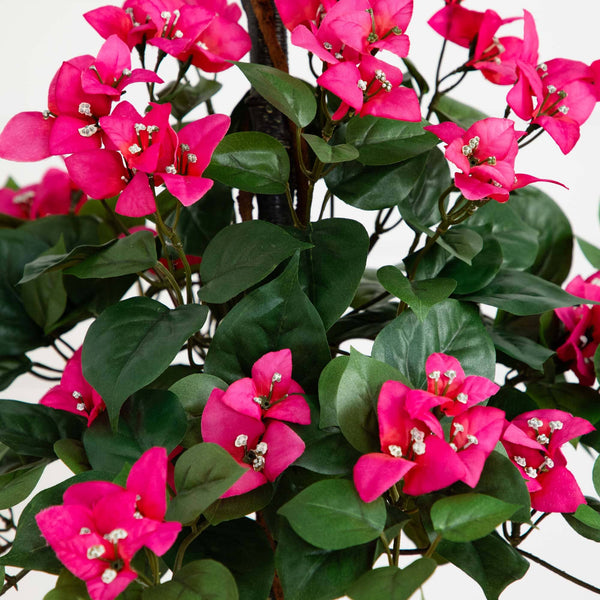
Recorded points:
(148, 479)
(294, 408)
(98, 590)
(98, 173)
(203, 136)
(474, 189)
(376, 473)
(58, 523)
(305, 38)
(265, 368)
(284, 447)
(72, 552)
(186, 189)
(25, 137)
(342, 79)
(391, 408)
(399, 103)
(89, 492)
(240, 395)
(560, 492)
(439, 364)
(137, 199)
(250, 480)
(107, 20)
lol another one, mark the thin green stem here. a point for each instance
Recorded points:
(163, 272)
(154, 566)
(433, 546)
(326, 200)
(397, 541)
(196, 531)
(386, 547)
(290, 201)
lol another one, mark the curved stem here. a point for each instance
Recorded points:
(386, 547)
(196, 531)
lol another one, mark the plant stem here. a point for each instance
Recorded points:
(386, 546)
(12, 580)
(196, 531)
(433, 546)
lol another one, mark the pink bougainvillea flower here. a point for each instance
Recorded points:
(564, 98)
(74, 394)
(297, 12)
(583, 326)
(111, 71)
(485, 153)
(496, 57)
(533, 442)
(196, 143)
(100, 526)
(390, 22)
(372, 88)
(457, 24)
(270, 392)
(412, 449)
(474, 433)
(25, 137)
(264, 448)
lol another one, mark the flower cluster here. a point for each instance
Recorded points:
(346, 35)
(246, 420)
(583, 326)
(101, 525)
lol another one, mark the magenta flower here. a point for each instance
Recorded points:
(100, 526)
(74, 394)
(533, 441)
(456, 23)
(583, 324)
(412, 448)
(297, 12)
(270, 392)
(264, 448)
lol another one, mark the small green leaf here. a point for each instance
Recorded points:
(329, 154)
(251, 161)
(17, 484)
(392, 583)
(292, 96)
(72, 453)
(588, 516)
(185, 97)
(202, 475)
(592, 253)
(462, 242)
(521, 348)
(468, 517)
(463, 115)
(329, 514)
(586, 519)
(242, 255)
(419, 295)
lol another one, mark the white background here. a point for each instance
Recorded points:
(37, 36)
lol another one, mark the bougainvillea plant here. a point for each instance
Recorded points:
(253, 413)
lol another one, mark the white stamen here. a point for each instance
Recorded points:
(108, 576)
(152, 128)
(531, 472)
(453, 446)
(583, 339)
(85, 531)
(491, 160)
(258, 463)
(555, 425)
(474, 142)
(361, 84)
(435, 375)
(380, 75)
(85, 108)
(339, 55)
(327, 46)
(80, 406)
(563, 109)
(535, 423)
(261, 448)
(257, 399)
(137, 497)
(126, 72)
(184, 147)
(115, 535)
(551, 89)
(543, 438)
(241, 441)
(138, 515)
(417, 435)
(496, 183)
(166, 15)
(178, 34)
(192, 158)
(472, 439)
(171, 170)
(419, 448)
(139, 127)
(595, 281)
(458, 428)
(467, 150)
(23, 198)
(87, 131)
(387, 86)
(450, 374)
(543, 67)
(95, 551)
(46, 113)
(76, 395)
(548, 462)
(395, 451)
(520, 461)
(277, 377)
(134, 149)
(497, 60)
(462, 398)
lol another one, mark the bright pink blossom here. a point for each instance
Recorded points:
(583, 326)
(457, 24)
(74, 394)
(412, 448)
(533, 441)
(264, 448)
(100, 526)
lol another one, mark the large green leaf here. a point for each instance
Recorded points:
(448, 109)
(32, 429)
(521, 348)
(133, 342)
(11, 367)
(586, 519)
(490, 561)
(419, 295)
(468, 517)
(374, 188)
(310, 573)
(334, 242)
(198, 580)
(327, 153)
(450, 327)
(150, 418)
(292, 96)
(392, 583)
(462, 242)
(241, 255)
(329, 514)
(202, 475)
(591, 252)
(17, 484)
(356, 399)
(277, 315)
(386, 141)
(521, 293)
(251, 161)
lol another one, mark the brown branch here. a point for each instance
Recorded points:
(13, 580)
(276, 589)
(265, 16)
(244, 200)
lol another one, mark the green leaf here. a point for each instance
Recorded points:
(310, 573)
(72, 453)
(328, 153)
(579, 400)
(12, 367)
(329, 514)
(448, 109)
(202, 475)
(521, 348)
(198, 580)
(596, 475)
(586, 519)
(588, 516)
(235, 507)
(419, 295)
(17, 484)
(150, 418)
(329, 383)
(374, 188)
(251, 161)
(462, 242)
(68, 587)
(32, 429)
(277, 315)
(490, 561)
(333, 242)
(468, 517)
(522, 293)
(392, 583)
(184, 97)
(133, 342)
(591, 252)
(387, 141)
(450, 327)
(357, 396)
(243, 548)
(241, 255)
(292, 96)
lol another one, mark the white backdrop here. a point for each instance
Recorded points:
(38, 36)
